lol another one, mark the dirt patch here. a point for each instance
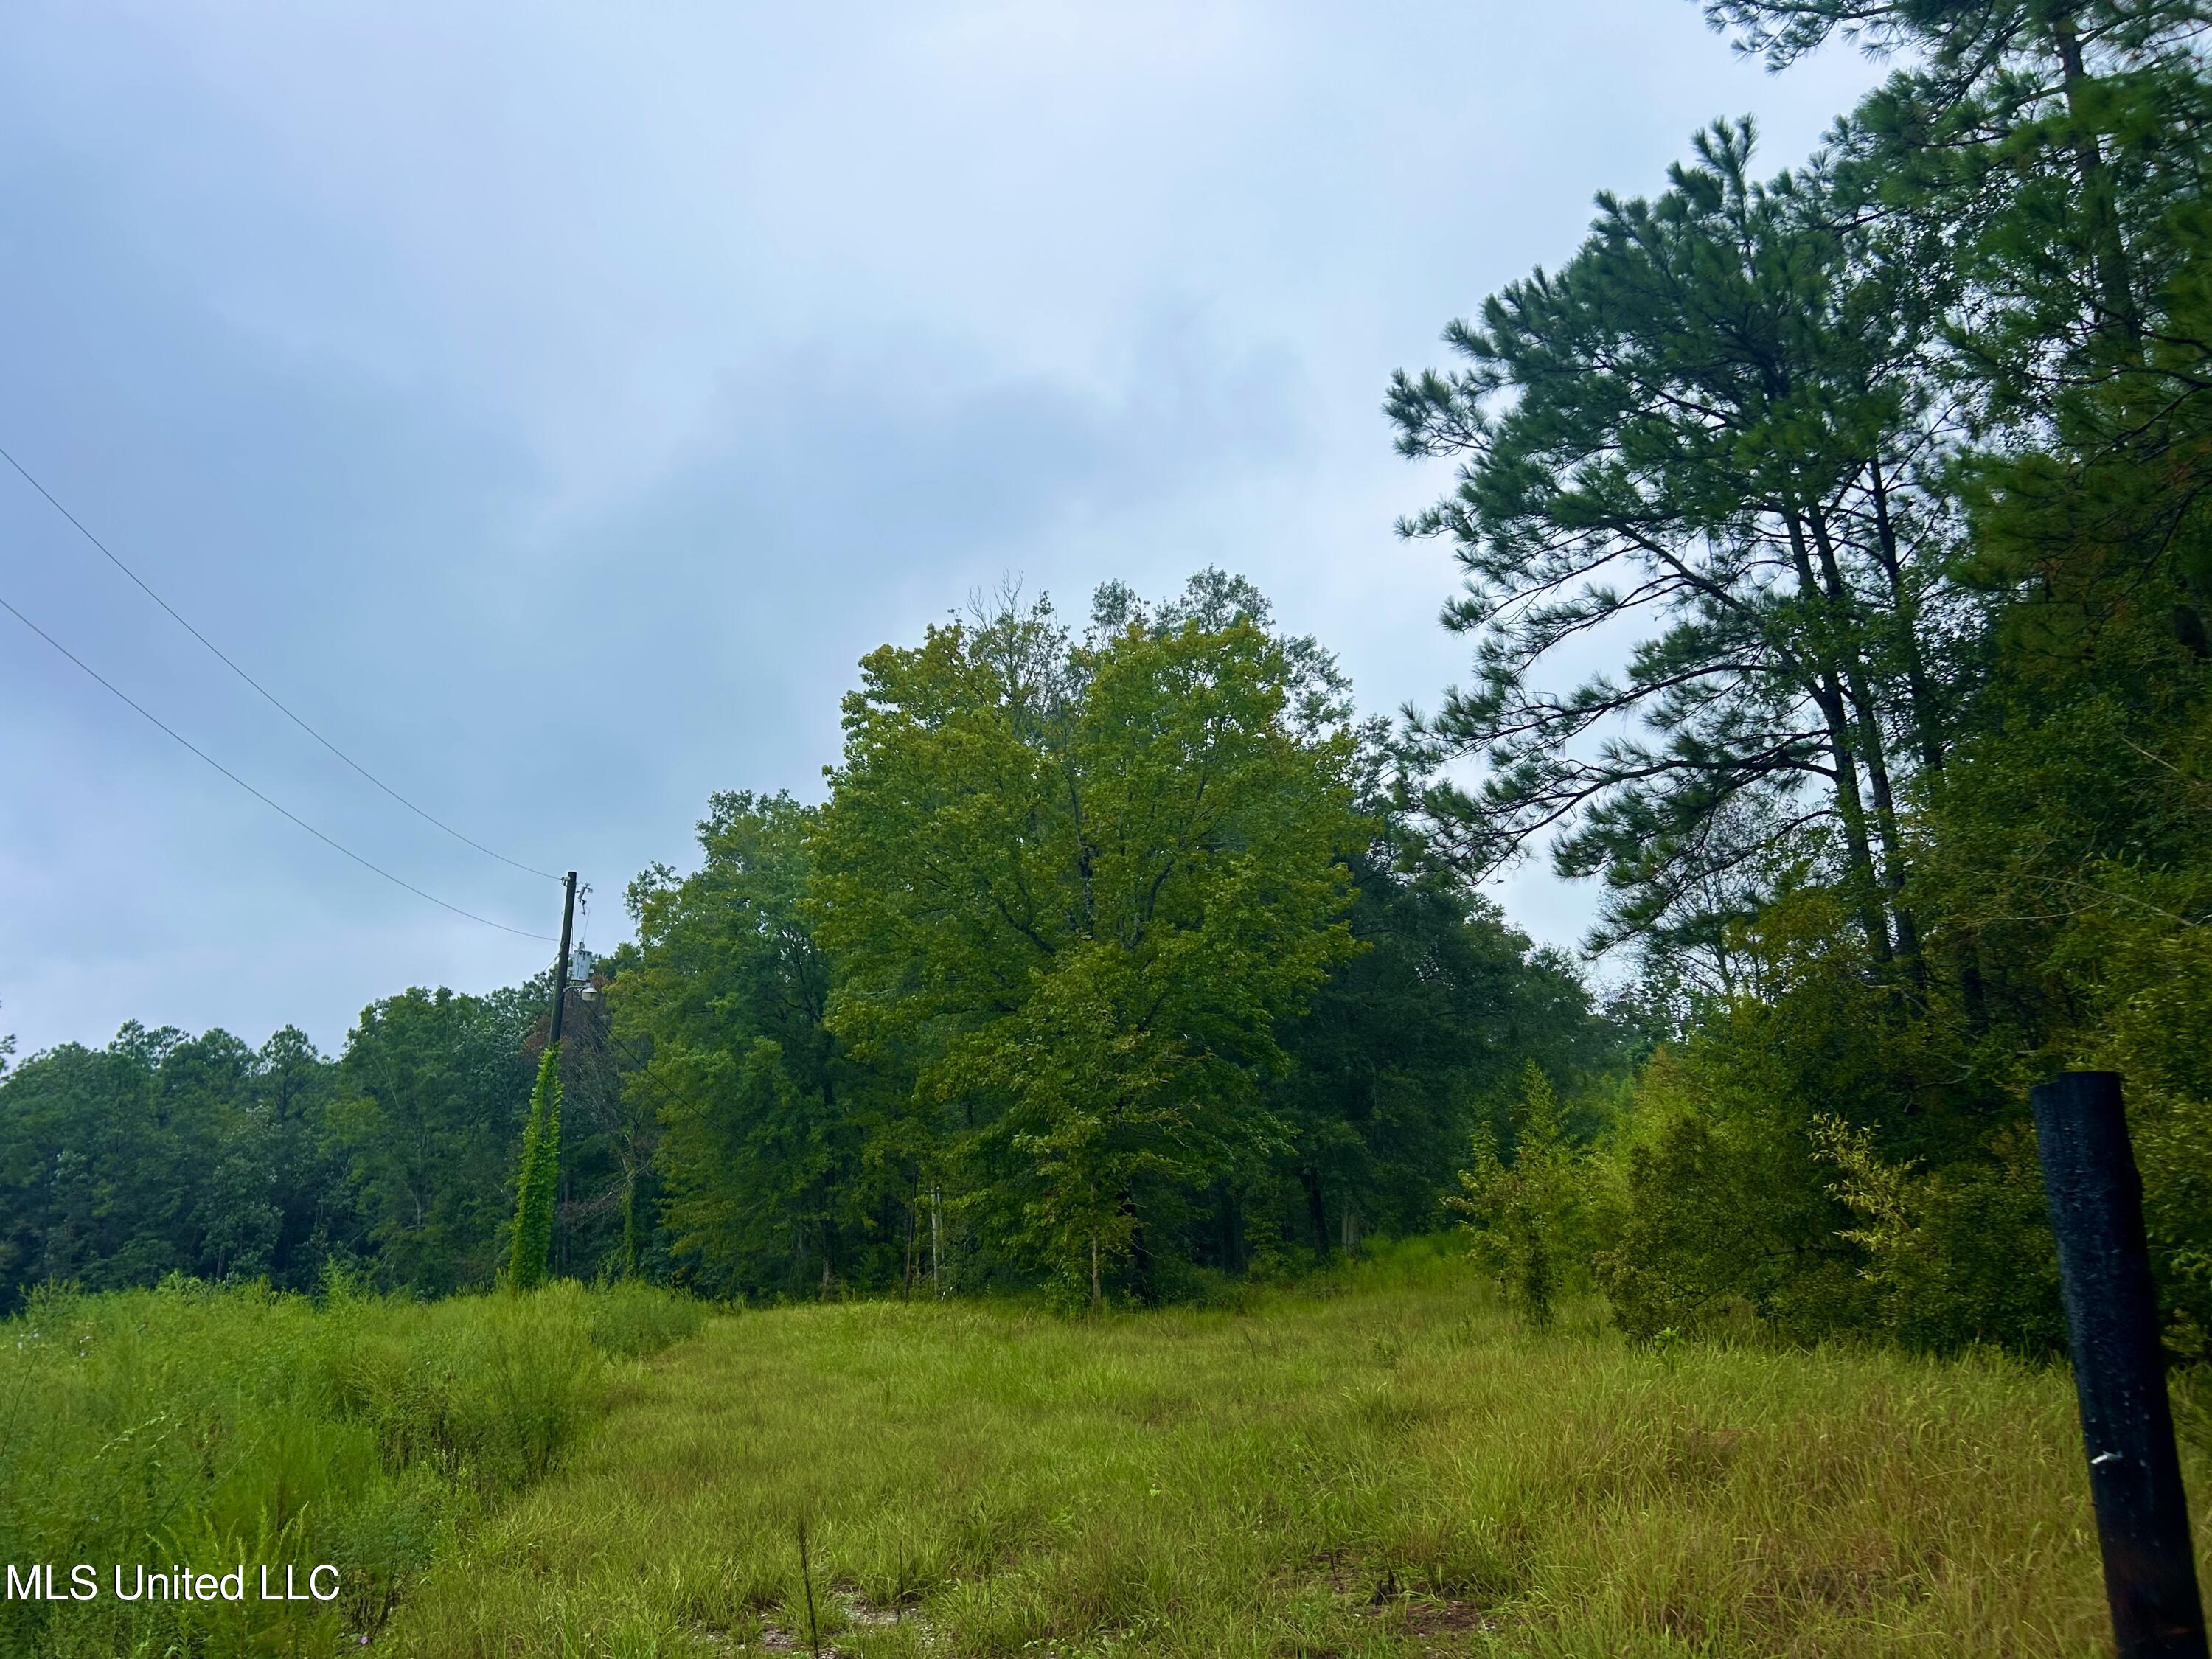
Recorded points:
(1430, 1618)
(1440, 1623)
(1431, 1625)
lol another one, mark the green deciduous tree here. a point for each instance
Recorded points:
(164, 1153)
(1078, 885)
(1419, 1037)
(786, 1165)
(432, 1092)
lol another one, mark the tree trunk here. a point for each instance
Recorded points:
(1874, 747)
(629, 1220)
(1904, 614)
(1316, 1212)
(2115, 280)
(1827, 693)
(1141, 1255)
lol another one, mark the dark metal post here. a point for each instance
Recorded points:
(2095, 1196)
(560, 968)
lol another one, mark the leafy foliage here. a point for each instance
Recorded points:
(1109, 964)
(1524, 1216)
(1079, 884)
(536, 1185)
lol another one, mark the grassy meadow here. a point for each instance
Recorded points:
(1385, 1466)
(1380, 1463)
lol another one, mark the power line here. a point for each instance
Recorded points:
(156, 720)
(272, 697)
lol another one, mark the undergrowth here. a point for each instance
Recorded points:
(213, 1429)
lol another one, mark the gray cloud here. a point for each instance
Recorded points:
(554, 402)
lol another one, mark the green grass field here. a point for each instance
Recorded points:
(1389, 1468)
(1382, 1464)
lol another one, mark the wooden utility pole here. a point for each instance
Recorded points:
(560, 968)
(2095, 1195)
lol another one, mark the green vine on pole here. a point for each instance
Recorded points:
(540, 1177)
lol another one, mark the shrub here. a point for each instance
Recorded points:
(1525, 1217)
(629, 1321)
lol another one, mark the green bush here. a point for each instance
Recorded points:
(1525, 1218)
(629, 1321)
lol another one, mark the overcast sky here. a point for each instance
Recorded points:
(553, 403)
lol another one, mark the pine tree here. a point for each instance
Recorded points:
(539, 1179)
(1711, 426)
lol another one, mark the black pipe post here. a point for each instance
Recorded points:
(2095, 1195)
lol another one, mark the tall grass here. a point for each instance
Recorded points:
(1379, 1462)
(210, 1428)
(1384, 1464)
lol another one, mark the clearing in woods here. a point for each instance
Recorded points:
(1389, 1466)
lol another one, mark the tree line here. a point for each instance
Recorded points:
(1111, 967)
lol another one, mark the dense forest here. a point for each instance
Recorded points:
(1123, 959)
(1108, 965)
(1889, 473)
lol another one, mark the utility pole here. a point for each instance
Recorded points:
(560, 968)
